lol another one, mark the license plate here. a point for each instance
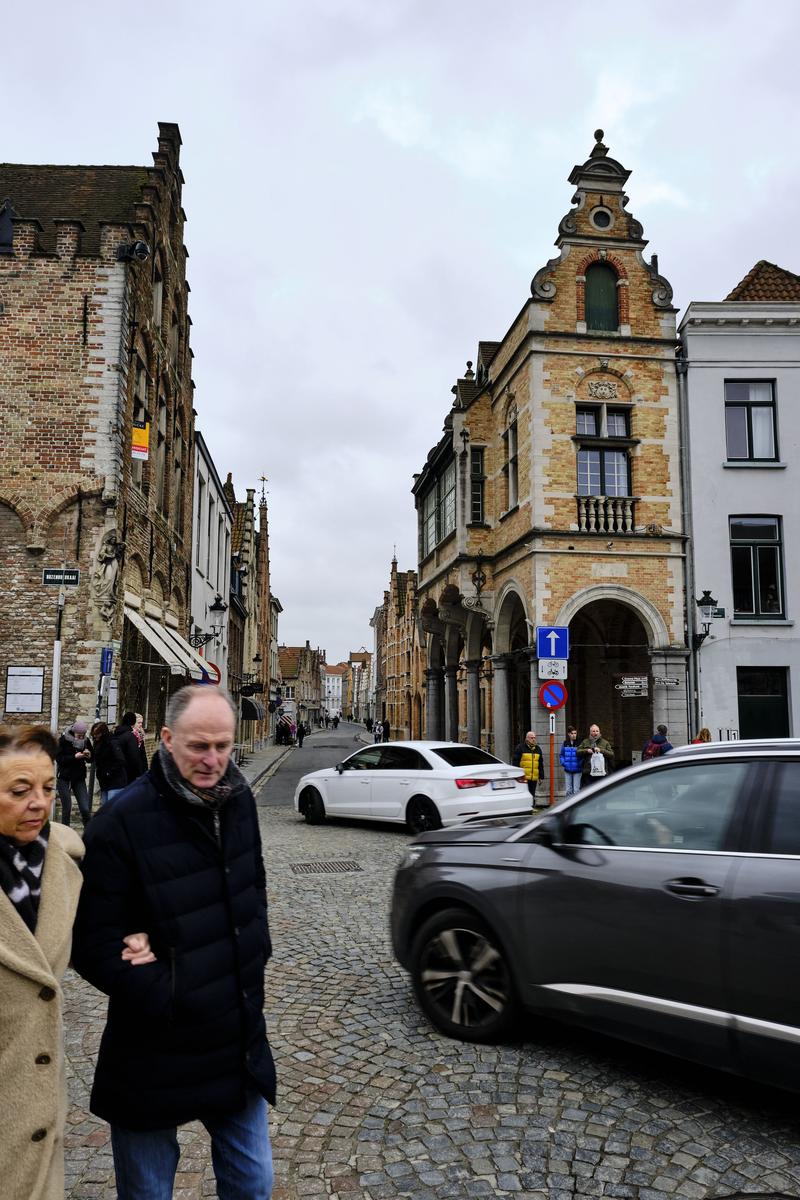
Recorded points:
(502, 783)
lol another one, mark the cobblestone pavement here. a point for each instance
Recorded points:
(374, 1105)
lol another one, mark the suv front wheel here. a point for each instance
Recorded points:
(461, 977)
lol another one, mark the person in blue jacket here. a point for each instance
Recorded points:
(570, 761)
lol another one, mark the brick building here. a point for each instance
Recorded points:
(301, 672)
(402, 656)
(554, 497)
(96, 457)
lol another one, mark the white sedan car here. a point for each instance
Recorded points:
(423, 784)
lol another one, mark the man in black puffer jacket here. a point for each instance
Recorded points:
(178, 856)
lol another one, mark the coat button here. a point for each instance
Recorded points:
(42, 1060)
(38, 1135)
(47, 993)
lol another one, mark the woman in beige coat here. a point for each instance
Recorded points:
(39, 884)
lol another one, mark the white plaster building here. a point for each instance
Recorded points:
(332, 698)
(211, 557)
(740, 386)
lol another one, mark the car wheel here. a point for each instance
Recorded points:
(313, 808)
(421, 815)
(462, 978)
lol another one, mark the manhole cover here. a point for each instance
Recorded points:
(335, 867)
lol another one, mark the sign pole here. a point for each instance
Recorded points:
(552, 758)
(55, 689)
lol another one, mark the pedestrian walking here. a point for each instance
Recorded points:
(703, 736)
(570, 761)
(109, 762)
(386, 730)
(368, 724)
(301, 733)
(74, 751)
(185, 1039)
(657, 745)
(40, 881)
(528, 755)
(596, 755)
(129, 746)
(378, 732)
(138, 733)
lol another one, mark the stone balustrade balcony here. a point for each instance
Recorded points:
(606, 514)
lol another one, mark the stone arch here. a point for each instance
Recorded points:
(654, 624)
(21, 510)
(505, 617)
(618, 267)
(473, 636)
(158, 588)
(175, 605)
(135, 574)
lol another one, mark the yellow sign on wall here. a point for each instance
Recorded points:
(140, 440)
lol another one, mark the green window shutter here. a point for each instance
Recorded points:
(602, 311)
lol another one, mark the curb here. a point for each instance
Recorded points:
(269, 770)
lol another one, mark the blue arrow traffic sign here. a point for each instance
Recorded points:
(552, 641)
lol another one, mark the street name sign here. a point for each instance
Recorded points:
(61, 576)
(552, 641)
(632, 686)
(552, 668)
(553, 695)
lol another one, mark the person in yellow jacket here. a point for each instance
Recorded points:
(528, 755)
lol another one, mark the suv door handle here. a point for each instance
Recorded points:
(691, 887)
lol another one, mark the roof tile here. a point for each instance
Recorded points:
(767, 283)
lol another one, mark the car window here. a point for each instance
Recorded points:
(681, 808)
(464, 756)
(364, 760)
(784, 834)
(402, 758)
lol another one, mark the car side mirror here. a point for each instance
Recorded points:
(547, 833)
(340, 767)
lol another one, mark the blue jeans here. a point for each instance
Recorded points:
(65, 789)
(145, 1160)
(573, 781)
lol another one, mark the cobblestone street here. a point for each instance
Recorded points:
(374, 1105)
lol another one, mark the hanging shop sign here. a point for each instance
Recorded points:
(140, 440)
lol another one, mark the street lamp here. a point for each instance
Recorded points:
(217, 612)
(707, 606)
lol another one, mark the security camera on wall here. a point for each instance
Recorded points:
(130, 251)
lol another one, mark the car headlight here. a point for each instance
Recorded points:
(410, 856)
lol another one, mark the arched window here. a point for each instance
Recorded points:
(602, 309)
(158, 292)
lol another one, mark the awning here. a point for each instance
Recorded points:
(194, 661)
(166, 644)
(252, 710)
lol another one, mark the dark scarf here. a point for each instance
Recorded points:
(232, 782)
(21, 874)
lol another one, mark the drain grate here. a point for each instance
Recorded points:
(335, 867)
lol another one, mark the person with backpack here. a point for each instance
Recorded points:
(596, 755)
(570, 762)
(657, 745)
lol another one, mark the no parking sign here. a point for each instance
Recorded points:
(553, 694)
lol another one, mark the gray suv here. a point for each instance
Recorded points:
(661, 905)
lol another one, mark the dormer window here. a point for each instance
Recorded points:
(602, 308)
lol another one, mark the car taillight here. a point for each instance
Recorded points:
(521, 778)
(470, 783)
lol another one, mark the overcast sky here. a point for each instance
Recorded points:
(371, 185)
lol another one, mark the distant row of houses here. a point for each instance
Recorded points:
(604, 472)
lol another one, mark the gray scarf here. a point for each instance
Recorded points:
(231, 783)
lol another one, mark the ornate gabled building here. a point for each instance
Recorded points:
(96, 455)
(403, 662)
(554, 498)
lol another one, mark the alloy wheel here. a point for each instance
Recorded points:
(465, 978)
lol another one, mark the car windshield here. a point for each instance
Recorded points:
(464, 756)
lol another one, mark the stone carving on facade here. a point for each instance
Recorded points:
(543, 288)
(602, 389)
(105, 579)
(662, 294)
